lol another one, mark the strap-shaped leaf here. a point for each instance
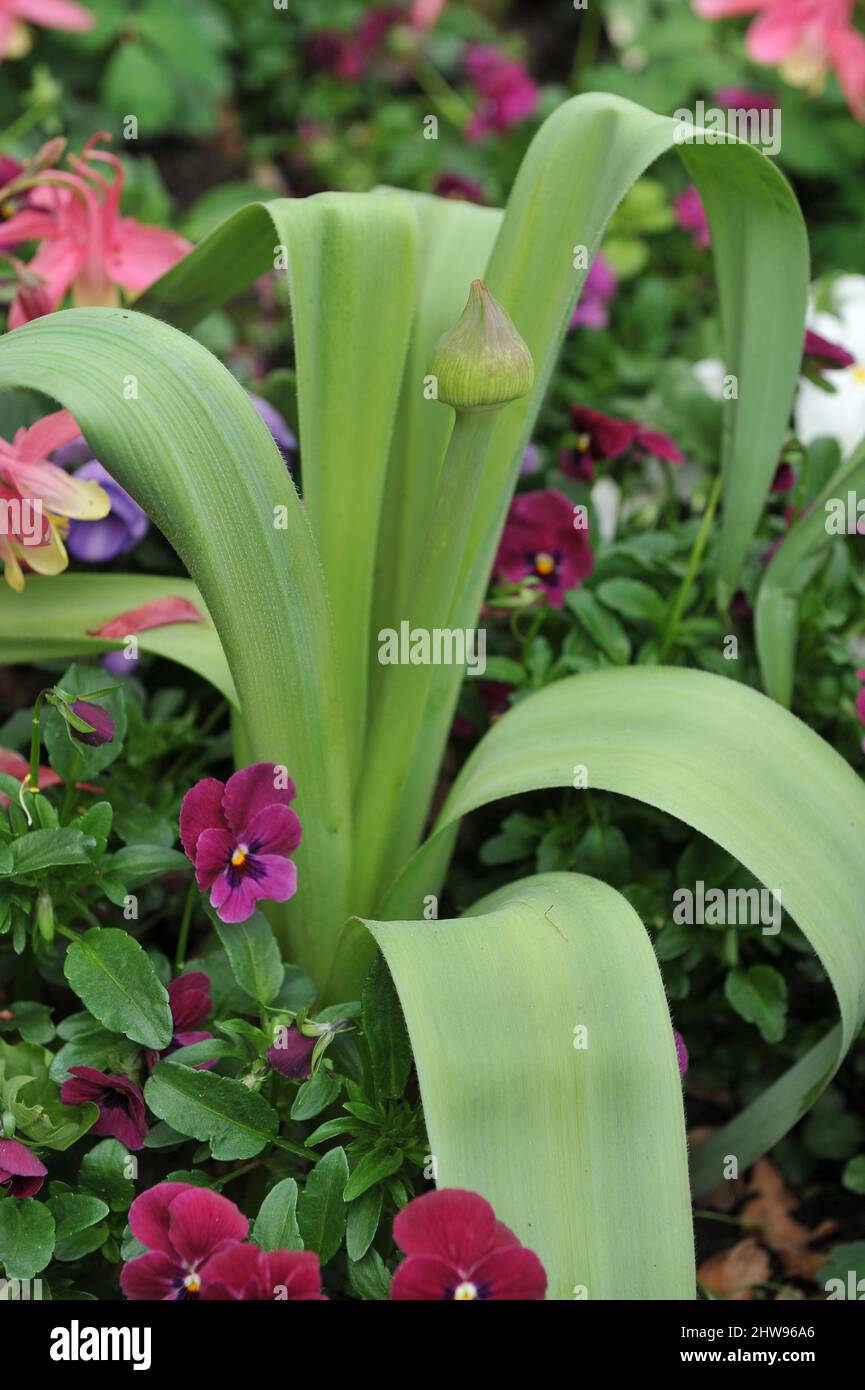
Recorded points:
(742, 771)
(53, 618)
(549, 1080)
(192, 450)
(776, 616)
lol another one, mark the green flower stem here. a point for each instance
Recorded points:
(691, 572)
(397, 719)
(185, 921)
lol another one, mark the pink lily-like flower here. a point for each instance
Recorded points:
(85, 244)
(26, 477)
(804, 39)
(51, 14)
(239, 834)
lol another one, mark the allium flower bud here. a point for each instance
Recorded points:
(98, 718)
(482, 363)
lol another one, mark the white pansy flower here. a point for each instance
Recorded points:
(842, 415)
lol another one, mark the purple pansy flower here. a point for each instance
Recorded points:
(456, 186)
(21, 1173)
(540, 539)
(599, 287)
(681, 1052)
(457, 1250)
(121, 1104)
(182, 1227)
(245, 1273)
(691, 216)
(508, 94)
(239, 835)
(601, 437)
(190, 1003)
(784, 479)
(860, 702)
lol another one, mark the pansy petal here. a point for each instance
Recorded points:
(275, 830)
(510, 1273)
(200, 1221)
(234, 902)
(293, 1275)
(148, 1215)
(235, 1272)
(423, 1278)
(153, 1277)
(212, 853)
(202, 805)
(253, 789)
(189, 998)
(452, 1224)
(16, 1159)
(277, 878)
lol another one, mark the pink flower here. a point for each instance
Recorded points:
(26, 477)
(601, 438)
(121, 1104)
(190, 1003)
(541, 539)
(860, 702)
(239, 834)
(245, 1273)
(681, 1052)
(804, 39)
(52, 14)
(291, 1056)
(183, 1227)
(508, 94)
(85, 244)
(456, 1249)
(21, 1172)
(599, 288)
(691, 216)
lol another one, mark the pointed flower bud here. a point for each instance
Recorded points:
(482, 363)
(101, 724)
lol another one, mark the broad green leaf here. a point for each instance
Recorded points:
(254, 956)
(385, 1032)
(54, 618)
(633, 599)
(144, 861)
(735, 766)
(759, 995)
(602, 626)
(74, 1212)
(194, 453)
(364, 1215)
(26, 1236)
(275, 1227)
(369, 1277)
(112, 976)
(374, 1167)
(315, 1095)
(321, 1211)
(32, 1021)
(106, 1172)
(46, 849)
(548, 1073)
(237, 1122)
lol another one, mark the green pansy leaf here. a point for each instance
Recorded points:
(321, 1212)
(276, 1227)
(111, 974)
(26, 1236)
(237, 1122)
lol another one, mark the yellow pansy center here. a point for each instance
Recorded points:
(464, 1291)
(544, 564)
(192, 1283)
(859, 373)
(238, 859)
(583, 442)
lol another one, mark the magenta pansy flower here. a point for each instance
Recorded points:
(21, 1172)
(820, 355)
(182, 1227)
(456, 1249)
(602, 438)
(121, 1104)
(450, 185)
(691, 216)
(540, 539)
(860, 702)
(245, 1273)
(100, 721)
(599, 287)
(507, 93)
(239, 835)
(681, 1052)
(190, 1003)
(784, 479)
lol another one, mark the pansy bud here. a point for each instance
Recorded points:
(102, 725)
(481, 363)
(45, 915)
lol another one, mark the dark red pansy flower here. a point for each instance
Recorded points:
(21, 1173)
(601, 438)
(245, 1273)
(540, 539)
(823, 355)
(183, 1227)
(860, 702)
(291, 1055)
(121, 1104)
(784, 479)
(190, 1003)
(450, 185)
(100, 721)
(456, 1249)
(239, 834)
